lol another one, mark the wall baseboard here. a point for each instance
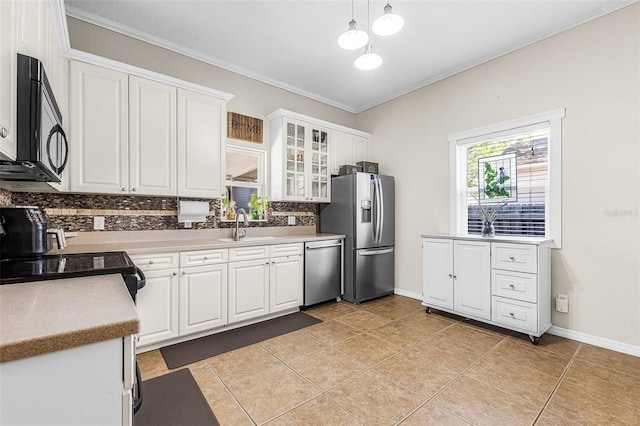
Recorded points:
(578, 336)
(590, 339)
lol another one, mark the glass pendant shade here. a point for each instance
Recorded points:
(368, 60)
(388, 24)
(353, 38)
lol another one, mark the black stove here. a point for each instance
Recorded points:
(59, 266)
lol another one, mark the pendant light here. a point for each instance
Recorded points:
(388, 24)
(368, 60)
(353, 38)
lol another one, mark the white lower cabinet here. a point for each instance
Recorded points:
(157, 304)
(457, 276)
(285, 279)
(85, 385)
(198, 291)
(203, 297)
(269, 282)
(502, 282)
(248, 289)
(176, 300)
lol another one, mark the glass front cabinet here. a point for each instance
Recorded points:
(299, 159)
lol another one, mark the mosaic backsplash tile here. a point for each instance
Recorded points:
(75, 212)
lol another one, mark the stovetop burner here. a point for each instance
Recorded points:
(58, 266)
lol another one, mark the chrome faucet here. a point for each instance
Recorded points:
(237, 235)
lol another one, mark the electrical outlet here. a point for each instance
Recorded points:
(291, 220)
(562, 303)
(98, 223)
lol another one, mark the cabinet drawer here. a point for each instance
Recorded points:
(248, 253)
(519, 315)
(515, 285)
(515, 257)
(156, 261)
(203, 257)
(286, 249)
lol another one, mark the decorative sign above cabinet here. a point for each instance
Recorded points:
(244, 128)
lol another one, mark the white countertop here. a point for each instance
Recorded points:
(497, 239)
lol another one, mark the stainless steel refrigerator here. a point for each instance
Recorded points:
(362, 208)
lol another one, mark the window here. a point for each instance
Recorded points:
(523, 157)
(245, 175)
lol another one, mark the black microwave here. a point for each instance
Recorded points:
(42, 147)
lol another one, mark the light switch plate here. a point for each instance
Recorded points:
(291, 220)
(98, 223)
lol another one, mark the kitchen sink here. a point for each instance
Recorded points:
(247, 239)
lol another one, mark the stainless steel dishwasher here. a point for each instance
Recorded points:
(323, 273)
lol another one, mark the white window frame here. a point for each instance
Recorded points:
(552, 119)
(262, 184)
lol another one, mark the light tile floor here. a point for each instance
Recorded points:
(387, 362)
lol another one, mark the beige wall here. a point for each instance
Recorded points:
(594, 72)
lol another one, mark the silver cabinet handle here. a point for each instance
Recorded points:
(175, 273)
(3, 132)
(206, 258)
(450, 275)
(373, 253)
(123, 189)
(511, 258)
(134, 189)
(184, 272)
(512, 314)
(512, 286)
(151, 262)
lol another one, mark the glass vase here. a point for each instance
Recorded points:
(488, 229)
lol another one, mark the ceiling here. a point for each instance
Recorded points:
(293, 44)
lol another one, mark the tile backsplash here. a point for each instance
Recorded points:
(75, 212)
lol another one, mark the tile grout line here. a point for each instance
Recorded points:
(560, 379)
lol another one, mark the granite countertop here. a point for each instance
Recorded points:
(191, 243)
(47, 316)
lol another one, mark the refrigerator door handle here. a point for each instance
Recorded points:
(375, 252)
(381, 212)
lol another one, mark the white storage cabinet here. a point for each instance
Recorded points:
(504, 282)
(348, 147)
(264, 280)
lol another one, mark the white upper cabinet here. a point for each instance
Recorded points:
(99, 136)
(8, 13)
(347, 148)
(152, 137)
(201, 145)
(131, 135)
(300, 151)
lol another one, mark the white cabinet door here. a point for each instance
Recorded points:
(437, 274)
(318, 174)
(359, 148)
(285, 283)
(203, 298)
(201, 122)
(31, 26)
(152, 138)
(157, 304)
(472, 278)
(347, 148)
(248, 289)
(99, 130)
(8, 18)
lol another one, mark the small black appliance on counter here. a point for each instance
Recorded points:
(24, 231)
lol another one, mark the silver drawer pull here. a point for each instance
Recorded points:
(151, 262)
(512, 286)
(511, 258)
(206, 258)
(512, 314)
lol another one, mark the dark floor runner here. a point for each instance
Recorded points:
(174, 399)
(189, 352)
